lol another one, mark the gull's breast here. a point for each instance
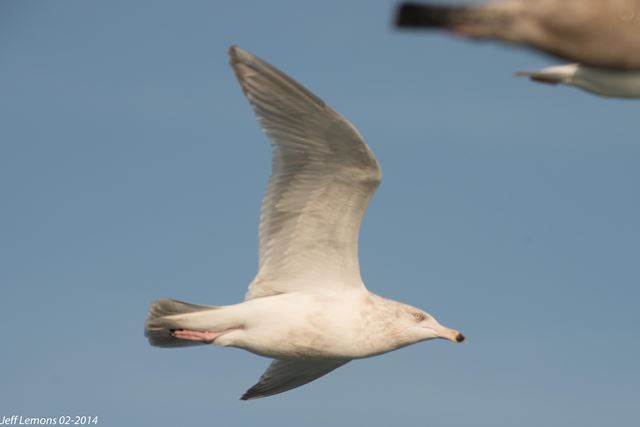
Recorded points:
(310, 326)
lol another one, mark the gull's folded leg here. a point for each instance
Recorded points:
(200, 336)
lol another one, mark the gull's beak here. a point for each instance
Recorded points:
(451, 335)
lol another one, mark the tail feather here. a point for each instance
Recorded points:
(549, 79)
(421, 15)
(170, 307)
(165, 315)
(493, 19)
(551, 75)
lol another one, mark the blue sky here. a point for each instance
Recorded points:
(132, 168)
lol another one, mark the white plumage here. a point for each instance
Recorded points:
(307, 307)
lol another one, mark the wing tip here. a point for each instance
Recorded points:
(253, 393)
(236, 52)
(238, 55)
(241, 62)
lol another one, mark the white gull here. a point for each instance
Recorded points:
(307, 307)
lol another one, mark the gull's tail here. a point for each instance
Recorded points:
(485, 20)
(423, 15)
(551, 75)
(166, 315)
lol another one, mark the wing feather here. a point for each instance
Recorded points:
(283, 375)
(323, 176)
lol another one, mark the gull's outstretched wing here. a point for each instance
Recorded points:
(596, 33)
(283, 375)
(322, 179)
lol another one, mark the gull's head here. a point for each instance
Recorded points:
(423, 326)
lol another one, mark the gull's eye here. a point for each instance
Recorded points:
(419, 316)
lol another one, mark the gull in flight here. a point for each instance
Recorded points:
(600, 81)
(595, 33)
(307, 307)
(601, 36)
